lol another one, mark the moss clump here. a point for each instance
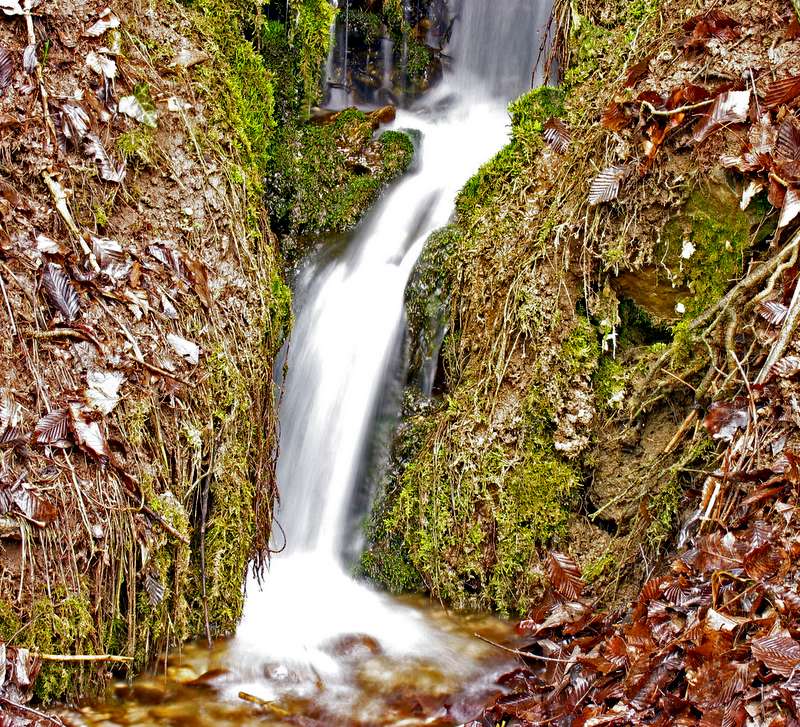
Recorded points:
(705, 245)
(59, 624)
(530, 112)
(427, 297)
(325, 177)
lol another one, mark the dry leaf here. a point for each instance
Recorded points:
(29, 60)
(557, 135)
(10, 410)
(74, 123)
(110, 256)
(199, 275)
(787, 148)
(109, 171)
(187, 350)
(60, 292)
(773, 312)
(53, 428)
(11, 7)
(106, 21)
(750, 191)
(102, 393)
(44, 244)
(87, 433)
(154, 588)
(32, 505)
(779, 653)
(791, 207)
(614, 117)
(606, 185)
(731, 107)
(187, 58)
(782, 91)
(98, 63)
(786, 367)
(565, 576)
(6, 68)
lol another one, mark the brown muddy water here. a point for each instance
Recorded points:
(201, 687)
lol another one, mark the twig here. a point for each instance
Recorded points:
(684, 427)
(48, 121)
(789, 327)
(31, 710)
(60, 200)
(656, 112)
(64, 333)
(253, 699)
(522, 654)
(165, 524)
(86, 657)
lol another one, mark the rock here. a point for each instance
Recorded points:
(383, 115)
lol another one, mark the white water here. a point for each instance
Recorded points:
(348, 326)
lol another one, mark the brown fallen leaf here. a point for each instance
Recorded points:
(88, 434)
(60, 291)
(606, 185)
(557, 135)
(6, 68)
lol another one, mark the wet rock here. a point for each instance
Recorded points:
(210, 679)
(353, 645)
(383, 115)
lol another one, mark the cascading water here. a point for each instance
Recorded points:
(313, 641)
(349, 321)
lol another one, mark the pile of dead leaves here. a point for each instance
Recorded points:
(716, 639)
(758, 108)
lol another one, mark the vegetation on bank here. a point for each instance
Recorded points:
(563, 414)
(137, 413)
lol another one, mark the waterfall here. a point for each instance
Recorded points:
(344, 350)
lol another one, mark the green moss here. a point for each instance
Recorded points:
(136, 146)
(326, 176)
(535, 502)
(590, 45)
(60, 624)
(309, 34)
(530, 112)
(609, 382)
(719, 231)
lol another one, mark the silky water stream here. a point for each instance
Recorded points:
(317, 646)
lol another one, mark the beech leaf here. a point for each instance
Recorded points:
(11, 7)
(154, 588)
(606, 185)
(109, 171)
(786, 367)
(773, 312)
(557, 135)
(60, 291)
(53, 428)
(32, 505)
(731, 107)
(74, 123)
(791, 207)
(782, 91)
(779, 653)
(106, 21)
(565, 576)
(87, 433)
(29, 59)
(102, 393)
(6, 68)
